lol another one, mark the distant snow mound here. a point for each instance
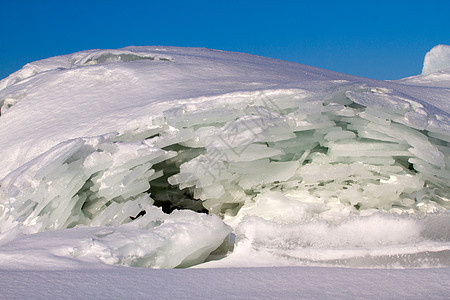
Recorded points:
(437, 59)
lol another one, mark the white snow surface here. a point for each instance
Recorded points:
(231, 283)
(317, 184)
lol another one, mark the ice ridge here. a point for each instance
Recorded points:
(273, 157)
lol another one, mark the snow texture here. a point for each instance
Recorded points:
(166, 157)
(231, 283)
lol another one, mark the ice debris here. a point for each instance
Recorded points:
(328, 162)
(282, 156)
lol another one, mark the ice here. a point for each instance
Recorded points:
(339, 135)
(114, 172)
(250, 152)
(168, 147)
(279, 171)
(437, 59)
(367, 149)
(107, 186)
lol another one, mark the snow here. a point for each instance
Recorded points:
(437, 59)
(327, 180)
(233, 283)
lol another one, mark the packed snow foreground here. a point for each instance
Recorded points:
(168, 157)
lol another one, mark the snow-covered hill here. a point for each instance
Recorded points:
(272, 163)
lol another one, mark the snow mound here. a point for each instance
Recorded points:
(293, 158)
(437, 59)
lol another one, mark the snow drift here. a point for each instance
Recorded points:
(293, 164)
(438, 59)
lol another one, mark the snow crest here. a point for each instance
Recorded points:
(437, 59)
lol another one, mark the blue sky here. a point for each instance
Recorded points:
(375, 39)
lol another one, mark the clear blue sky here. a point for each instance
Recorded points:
(375, 39)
